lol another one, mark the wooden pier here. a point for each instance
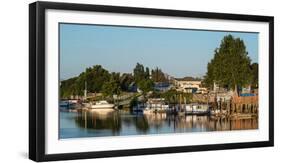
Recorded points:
(236, 106)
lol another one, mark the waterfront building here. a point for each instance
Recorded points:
(195, 108)
(156, 104)
(189, 86)
(246, 90)
(162, 86)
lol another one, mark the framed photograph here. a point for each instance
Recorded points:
(109, 81)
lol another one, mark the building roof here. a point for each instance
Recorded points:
(188, 78)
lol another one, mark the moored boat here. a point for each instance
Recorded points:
(69, 104)
(197, 109)
(155, 105)
(64, 104)
(102, 105)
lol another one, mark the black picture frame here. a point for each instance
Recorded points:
(37, 80)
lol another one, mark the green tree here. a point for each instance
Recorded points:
(230, 66)
(147, 75)
(125, 81)
(140, 73)
(80, 83)
(158, 76)
(116, 77)
(146, 85)
(170, 96)
(68, 87)
(94, 76)
(174, 97)
(111, 87)
(255, 75)
(134, 102)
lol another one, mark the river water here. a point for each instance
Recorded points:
(121, 123)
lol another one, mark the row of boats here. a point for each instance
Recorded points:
(155, 105)
(96, 105)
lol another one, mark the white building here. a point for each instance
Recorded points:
(189, 86)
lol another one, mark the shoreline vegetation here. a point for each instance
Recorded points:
(228, 90)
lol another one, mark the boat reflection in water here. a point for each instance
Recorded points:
(101, 119)
(111, 122)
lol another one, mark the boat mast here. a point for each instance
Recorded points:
(85, 91)
(180, 103)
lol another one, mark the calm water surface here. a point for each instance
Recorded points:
(117, 123)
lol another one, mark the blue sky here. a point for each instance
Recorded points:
(177, 52)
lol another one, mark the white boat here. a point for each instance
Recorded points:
(64, 104)
(155, 105)
(197, 109)
(102, 105)
(68, 104)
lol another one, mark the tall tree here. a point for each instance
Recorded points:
(231, 65)
(157, 75)
(68, 87)
(140, 73)
(125, 81)
(255, 75)
(94, 76)
(146, 85)
(111, 87)
(147, 74)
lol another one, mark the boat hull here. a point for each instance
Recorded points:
(107, 106)
(102, 111)
(198, 113)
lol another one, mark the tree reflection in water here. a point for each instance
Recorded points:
(99, 120)
(141, 124)
(112, 122)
